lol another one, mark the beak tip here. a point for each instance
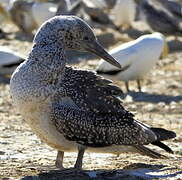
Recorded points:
(101, 52)
(118, 65)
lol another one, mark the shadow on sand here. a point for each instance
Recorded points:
(153, 98)
(134, 171)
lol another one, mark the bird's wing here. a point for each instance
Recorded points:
(91, 92)
(114, 71)
(98, 119)
(124, 57)
(99, 130)
(125, 54)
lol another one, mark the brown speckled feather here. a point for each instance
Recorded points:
(98, 130)
(92, 92)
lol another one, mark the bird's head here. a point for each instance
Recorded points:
(73, 33)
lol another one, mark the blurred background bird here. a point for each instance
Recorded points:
(161, 17)
(9, 60)
(123, 13)
(4, 15)
(174, 6)
(21, 15)
(29, 15)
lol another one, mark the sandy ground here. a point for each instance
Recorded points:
(23, 156)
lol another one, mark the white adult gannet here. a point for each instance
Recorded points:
(137, 57)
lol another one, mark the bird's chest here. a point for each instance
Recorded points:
(36, 112)
(38, 118)
(33, 97)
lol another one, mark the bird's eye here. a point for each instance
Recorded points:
(86, 38)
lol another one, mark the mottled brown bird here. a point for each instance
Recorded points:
(72, 109)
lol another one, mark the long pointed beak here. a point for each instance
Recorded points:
(96, 48)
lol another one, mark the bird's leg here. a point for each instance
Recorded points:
(127, 86)
(59, 160)
(81, 150)
(139, 85)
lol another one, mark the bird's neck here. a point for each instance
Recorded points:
(50, 56)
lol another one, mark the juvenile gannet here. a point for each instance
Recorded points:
(73, 109)
(137, 58)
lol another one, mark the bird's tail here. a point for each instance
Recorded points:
(146, 151)
(163, 146)
(162, 134)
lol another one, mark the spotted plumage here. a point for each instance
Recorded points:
(72, 109)
(94, 130)
(91, 92)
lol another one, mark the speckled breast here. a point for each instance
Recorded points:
(35, 109)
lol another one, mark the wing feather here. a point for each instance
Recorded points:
(98, 130)
(92, 92)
